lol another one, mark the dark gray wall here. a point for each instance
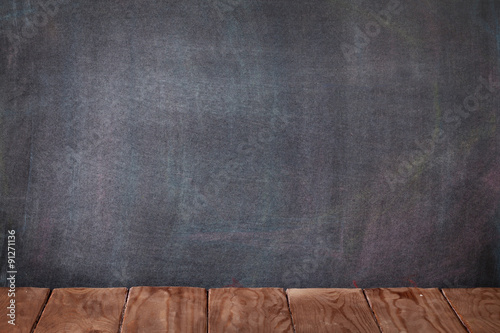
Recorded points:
(257, 143)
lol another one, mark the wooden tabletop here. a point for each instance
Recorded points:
(479, 309)
(413, 310)
(186, 309)
(173, 309)
(248, 310)
(83, 310)
(28, 305)
(330, 310)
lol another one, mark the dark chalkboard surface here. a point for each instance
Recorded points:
(250, 143)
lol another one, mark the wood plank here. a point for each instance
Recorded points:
(166, 309)
(28, 304)
(83, 310)
(330, 310)
(413, 310)
(248, 310)
(478, 308)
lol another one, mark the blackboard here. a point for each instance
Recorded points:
(255, 143)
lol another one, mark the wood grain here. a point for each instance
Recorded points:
(83, 310)
(478, 308)
(413, 310)
(166, 309)
(248, 310)
(29, 303)
(330, 310)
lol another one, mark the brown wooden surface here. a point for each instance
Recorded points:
(166, 309)
(248, 310)
(29, 303)
(83, 310)
(184, 309)
(413, 310)
(479, 308)
(330, 310)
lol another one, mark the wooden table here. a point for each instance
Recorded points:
(186, 309)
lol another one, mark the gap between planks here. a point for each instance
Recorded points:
(455, 311)
(40, 314)
(290, 310)
(371, 309)
(123, 310)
